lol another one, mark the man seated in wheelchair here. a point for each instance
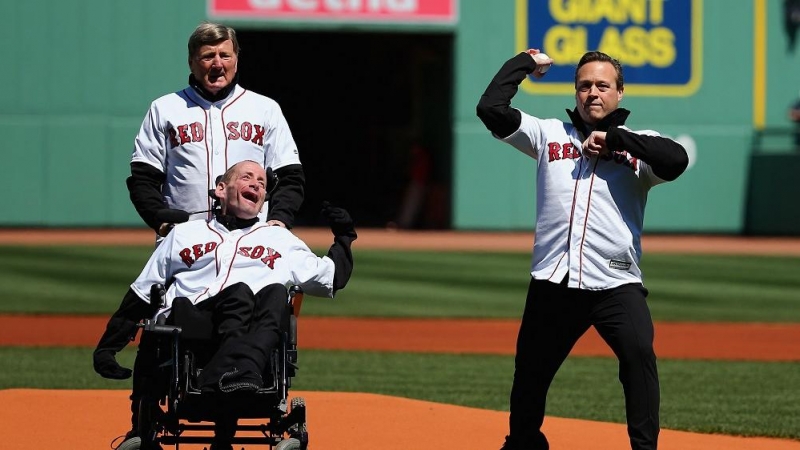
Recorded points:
(234, 270)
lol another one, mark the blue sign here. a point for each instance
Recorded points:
(658, 42)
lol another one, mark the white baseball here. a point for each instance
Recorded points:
(542, 65)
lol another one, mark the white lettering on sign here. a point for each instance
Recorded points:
(348, 6)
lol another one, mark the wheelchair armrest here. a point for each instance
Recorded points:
(153, 326)
(158, 326)
(296, 299)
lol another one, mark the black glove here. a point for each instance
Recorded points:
(168, 218)
(120, 330)
(117, 335)
(168, 215)
(339, 220)
(107, 366)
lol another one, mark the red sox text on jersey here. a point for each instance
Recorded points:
(183, 134)
(568, 150)
(267, 255)
(199, 258)
(580, 199)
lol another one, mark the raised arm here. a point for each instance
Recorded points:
(344, 233)
(494, 108)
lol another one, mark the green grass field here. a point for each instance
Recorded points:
(742, 398)
(92, 280)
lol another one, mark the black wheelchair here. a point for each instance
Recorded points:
(177, 412)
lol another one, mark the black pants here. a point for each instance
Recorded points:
(555, 318)
(243, 326)
(246, 329)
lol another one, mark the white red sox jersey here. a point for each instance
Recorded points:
(590, 211)
(200, 258)
(192, 141)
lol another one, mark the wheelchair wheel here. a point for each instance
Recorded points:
(148, 409)
(134, 443)
(288, 444)
(298, 431)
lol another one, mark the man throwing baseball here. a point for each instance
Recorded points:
(190, 137)
(234, 268)
(593, 176)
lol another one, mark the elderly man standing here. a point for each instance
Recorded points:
(190, 137)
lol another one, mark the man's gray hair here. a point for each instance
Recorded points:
(210, 33)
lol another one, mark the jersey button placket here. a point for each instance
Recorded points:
(214, 115)
(579, 219)
(226, 252)
(217, 144)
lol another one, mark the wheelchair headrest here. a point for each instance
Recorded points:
(213, 195)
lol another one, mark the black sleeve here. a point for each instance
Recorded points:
(494, 108)
(667, 157)
(144, 187)
(288, 196)
(121, 327)
(342, 257)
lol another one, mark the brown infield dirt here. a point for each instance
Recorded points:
(357, 421)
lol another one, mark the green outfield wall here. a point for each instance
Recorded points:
(80, 76)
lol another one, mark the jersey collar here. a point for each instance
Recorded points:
(213, 98)
(613, 119)
(233, 222)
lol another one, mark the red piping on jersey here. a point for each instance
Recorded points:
(216, 250)
(571, 215)
(586, 220)
(222, 118)
(208, 152)
(235, 253)
(216, 259)
(209, 202)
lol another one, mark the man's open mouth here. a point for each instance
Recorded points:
(251, 196)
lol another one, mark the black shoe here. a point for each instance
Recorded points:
(240, 381)
(508, 445)
(539, 444)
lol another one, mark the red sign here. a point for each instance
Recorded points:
(403, 11)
